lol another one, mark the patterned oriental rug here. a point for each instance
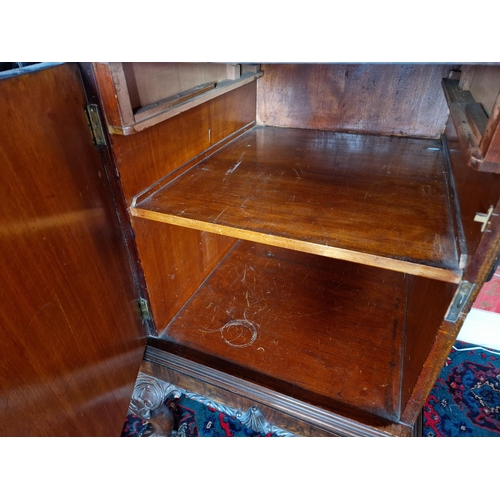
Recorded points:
(465, 401)
(193, 419)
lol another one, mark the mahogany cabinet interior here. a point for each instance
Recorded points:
(304, 237)
(307, 229)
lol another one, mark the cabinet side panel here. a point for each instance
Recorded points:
(147, 156)
(428, 301)
(404, 100)
(175, 264)
(475, 191)
(482, 261)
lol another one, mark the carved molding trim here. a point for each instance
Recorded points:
(150, 393)
(252, 418)
(302, 411)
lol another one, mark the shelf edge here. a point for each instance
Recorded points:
(448, 275)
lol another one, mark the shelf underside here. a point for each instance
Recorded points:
(302, 324)
(382, 201)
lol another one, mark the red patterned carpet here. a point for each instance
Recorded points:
(465, 400)
(489, 296)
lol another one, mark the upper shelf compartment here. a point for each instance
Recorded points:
(139, 95)
(376, 200)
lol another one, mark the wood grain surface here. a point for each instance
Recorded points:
(71, 339)
(146, 157)
(475, 191)
(376, 200)
(175, 261)
(332, 328)
(388, 99)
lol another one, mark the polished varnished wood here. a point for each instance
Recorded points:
(110, 95)
(93, 97)
(176, 264)
(490, 143)
(283, 411)
(137, 96)
(430, 371)
(146, 157)
(332, 328)
(380, 99)
(376, 200)
(480, 265)
(475, 191)
(71, 339)
(179, 261)
(427, 303)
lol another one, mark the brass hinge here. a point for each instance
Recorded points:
(96, 125)
(144, 308)
(461, 297)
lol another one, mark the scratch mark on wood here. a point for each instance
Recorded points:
(237, 164)
(36, 314)
(438, 246)
(221, 214)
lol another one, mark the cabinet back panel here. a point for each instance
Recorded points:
(147, 156)
(394, 99)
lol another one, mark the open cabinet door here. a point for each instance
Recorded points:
(71, 338)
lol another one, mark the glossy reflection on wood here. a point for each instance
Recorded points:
(177, 264)
(71, 341)
(376, 200)
(329, 327)
(427, 303)
(475, 191)
(146, 157)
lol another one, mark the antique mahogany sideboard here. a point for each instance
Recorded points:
(301, 239)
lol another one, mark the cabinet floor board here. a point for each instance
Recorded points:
(377, 200)
(329, 327)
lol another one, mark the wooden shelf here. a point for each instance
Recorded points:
(381, 201)
(331, 329)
